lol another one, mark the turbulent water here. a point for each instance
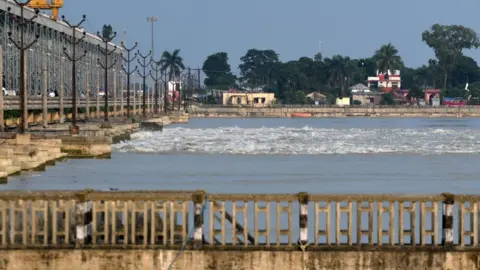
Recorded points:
(306, 140)
(348, 155)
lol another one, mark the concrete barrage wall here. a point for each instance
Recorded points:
(104, 259)
(318, 111)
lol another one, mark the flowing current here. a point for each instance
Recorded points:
(348, 155)
(305, 140)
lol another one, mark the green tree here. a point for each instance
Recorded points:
(340, 70)
(300, 97)
(172, 63)
(387, 58)
(218, 71)
(448, 43)
(387, 99)
(415, 92)
(107, 31)
(318, 57)
(256, 67)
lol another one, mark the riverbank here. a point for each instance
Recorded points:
(43, 147)
(333, 112)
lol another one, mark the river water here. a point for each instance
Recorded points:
(348, 155)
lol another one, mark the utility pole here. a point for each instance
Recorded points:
(152, 20)
(190, 88)
(106, 52)
(129, 72)
(74, 129)
(144, 65)
(165, 95)
(22, 47)
(156, 67)
(199, 80)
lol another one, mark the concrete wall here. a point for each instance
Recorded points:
(318, 111)
(103, 259)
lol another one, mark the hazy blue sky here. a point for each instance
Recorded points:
(292, 28)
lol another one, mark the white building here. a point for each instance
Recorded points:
(393, 82)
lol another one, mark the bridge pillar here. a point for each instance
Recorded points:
(447, 224)
(303, 199)
(198, 199)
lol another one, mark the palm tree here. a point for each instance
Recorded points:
(387, 58)
(172, 63)
(340, 71)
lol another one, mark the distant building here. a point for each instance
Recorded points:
(174, 91)
(368, 98)
(251, 99)
(317, 97)
(431, 93)
(345, 101)
(359, 88)
(386, 84)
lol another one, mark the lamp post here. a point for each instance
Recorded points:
(106, 52)
(144, 64)
(22, 47)
(152, 20)
(129, 72)
(73, 41)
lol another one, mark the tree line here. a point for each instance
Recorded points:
(449, 71)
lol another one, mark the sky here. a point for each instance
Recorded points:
(291, 28)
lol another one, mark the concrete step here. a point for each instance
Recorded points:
(54, 150)
(5, 162)
(6, 152)
(13, 169)
(23, 150)
(29, 165)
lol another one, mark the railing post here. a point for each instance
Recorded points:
(303, 199)
(83, 218)
(447, 224)
(80, 223)
(198, 199)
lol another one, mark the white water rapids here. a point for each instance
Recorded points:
(303, 141)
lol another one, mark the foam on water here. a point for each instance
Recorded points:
(306, 141)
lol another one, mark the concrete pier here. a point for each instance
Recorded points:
(43, 146)
(22, 152)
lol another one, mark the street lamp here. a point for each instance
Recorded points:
(152, 20)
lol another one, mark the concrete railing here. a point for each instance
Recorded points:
(284, 221)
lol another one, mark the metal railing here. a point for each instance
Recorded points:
(35, 103)
(170, 219)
